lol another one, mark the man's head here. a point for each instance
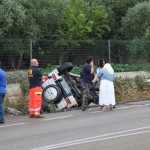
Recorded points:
(89, 60)
(34, 62)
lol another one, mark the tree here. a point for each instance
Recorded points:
(11, 19)
(11, 26)
(26, 19)
(117, 9)
(136, 23)
(81, 21)
(44, 16)
(139, 49)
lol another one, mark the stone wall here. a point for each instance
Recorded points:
(132, 74)
(14, 92)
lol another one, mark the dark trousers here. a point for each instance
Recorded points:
(2, 95)
(87, 95)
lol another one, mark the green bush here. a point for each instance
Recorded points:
(116, 67)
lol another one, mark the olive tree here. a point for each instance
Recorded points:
(24, 20)
(81, 21)
(136, 27)
(11, 27)
(117, 9)
(136, 23)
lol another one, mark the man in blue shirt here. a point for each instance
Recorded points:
(87, 76)
(3, 82)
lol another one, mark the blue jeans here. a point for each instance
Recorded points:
(2, 95)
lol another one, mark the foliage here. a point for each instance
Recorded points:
(136, 23)
(43, 17)
(131, 89)
(21, 105)
(48, 69)
(116, 67)
(24, 87)
(68, 23)
(81, 21)
(140, 83)
(139, 50)
(12, 26)
(127, 67)
(117, 9)
(17, 76)
(124, 89)
(12, 19)
(25, 19)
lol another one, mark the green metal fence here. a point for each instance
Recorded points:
(17, 53)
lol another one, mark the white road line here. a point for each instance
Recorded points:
(10, 125)
(89, 141)
(59, 117)
(96, 138)
(135, 106)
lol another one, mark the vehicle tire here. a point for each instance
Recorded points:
(66, 67)
(47, 107)
(52, 94)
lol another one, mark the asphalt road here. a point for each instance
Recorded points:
(127, 127)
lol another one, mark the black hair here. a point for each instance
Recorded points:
(89, 59)
(101, 62)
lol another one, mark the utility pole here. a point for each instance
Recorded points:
(109, 51)
(30, 50)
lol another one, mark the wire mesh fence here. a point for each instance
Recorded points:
(17, 53)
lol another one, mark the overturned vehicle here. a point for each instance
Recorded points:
(63, 90)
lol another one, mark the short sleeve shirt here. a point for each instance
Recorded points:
(34, 76)
(87, 77)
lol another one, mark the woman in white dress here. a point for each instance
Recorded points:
(106, 76)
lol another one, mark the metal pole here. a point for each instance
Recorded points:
(30, 50)
(109, 52)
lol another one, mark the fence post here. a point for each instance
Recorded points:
(30, 50)
(109, 52)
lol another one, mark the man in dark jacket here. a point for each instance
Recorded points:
(35, 98)
(87, 77)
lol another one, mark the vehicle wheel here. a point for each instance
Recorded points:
(66, 67)
(47, 107)
(52, 94)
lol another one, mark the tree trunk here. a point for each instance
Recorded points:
(20, 60)
(12, 63)
(61, 58)
(63, 53)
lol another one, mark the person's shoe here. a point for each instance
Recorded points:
(104, 108)
(2, 122)
(39, 116)
(111, 107)
(84, 108)
(31, 116)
